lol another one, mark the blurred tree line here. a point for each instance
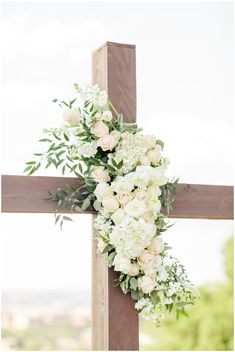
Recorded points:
(210, 326)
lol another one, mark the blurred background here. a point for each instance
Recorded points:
(184, 96)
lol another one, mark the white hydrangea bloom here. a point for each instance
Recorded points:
(131, 236)
(87, 149)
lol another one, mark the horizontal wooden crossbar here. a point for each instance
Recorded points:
(27, 194)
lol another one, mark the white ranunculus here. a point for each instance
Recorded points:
(156, 245)
(110, 204)
(118, 216)
(107, 142)
(72, 117)
(99, 129)
(107, 115)
(149, 141)
(146, 284)
(135, 208)
(100, 174)
(122, 264)
(102, 190)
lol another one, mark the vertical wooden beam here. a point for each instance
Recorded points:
(115, 321)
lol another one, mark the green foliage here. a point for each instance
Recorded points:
(210, 326)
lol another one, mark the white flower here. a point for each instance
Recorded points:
(124, 198)
(146, 284)
(107, 142)
(144, 161)
(157, 245)
(154, 156)
(102, 190)
(141, 303)
(100, 174)
(110, 204)
(118, 216)
(87, 149)
(107, 115)
(135, 208)
(131, 236)
(149, 141)
(134, 270)
(146, 262)
(72, 117)
(99, 129)
(122, 264)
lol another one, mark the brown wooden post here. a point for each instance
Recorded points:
(115, 323)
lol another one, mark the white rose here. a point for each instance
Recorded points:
(100, 174)
(149, 141)
(134, 270)
(118, 216)
(106, 142)
(154, 155)
(135, 208)
(72, 117)
(116, 135)
(110, 204)
(107, 115)
(102, 190)
(147, 217)
(144, 161)
(142, 196)
(122, 264)
(99, 129)
(146, 261)
(146, 284)
(124, 198)
(157, 245)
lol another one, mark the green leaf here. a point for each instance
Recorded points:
(63, 169)
(27, 168)
(154, 298)
(45, 140)
(67, 218)
(85, 204)
(97, 205)
(30, 163)
(111, 259)
(135, 295)
(66, 137)
(159, 142)
(107, 248)
(54, 100)
(133, 283)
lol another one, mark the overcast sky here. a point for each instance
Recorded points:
(184, 82)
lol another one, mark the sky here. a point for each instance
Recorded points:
(184, 97)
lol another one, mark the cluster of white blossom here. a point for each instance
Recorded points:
(136, 149)
(125, 173)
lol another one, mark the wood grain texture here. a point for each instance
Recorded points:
(99, 297)
(114, 70)
(27, 194)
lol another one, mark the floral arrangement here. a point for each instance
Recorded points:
(121, 174)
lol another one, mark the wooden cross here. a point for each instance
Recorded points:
(115, 324)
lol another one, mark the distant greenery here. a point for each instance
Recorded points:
(210, 326)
